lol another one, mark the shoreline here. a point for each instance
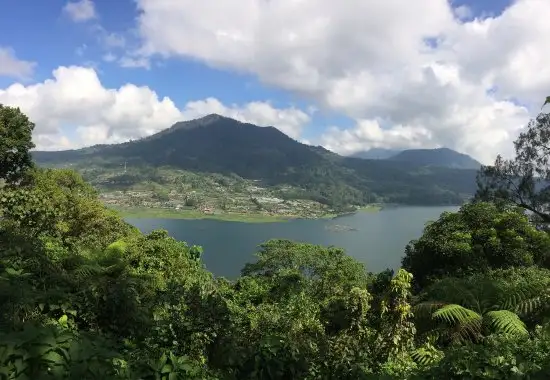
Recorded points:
(144, 213)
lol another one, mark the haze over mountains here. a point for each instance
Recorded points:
(444, 157)
(217, 144)
(438, 157)
(376, 153)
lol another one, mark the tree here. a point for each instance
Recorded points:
(479, 237)
(397, 331)
(524, 180)
(57, 204)
(325, 271)
(15, 143)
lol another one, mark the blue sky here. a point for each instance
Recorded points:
(42, 33)
(39, 32)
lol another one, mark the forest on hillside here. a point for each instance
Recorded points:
(84, 295)
(223, 146)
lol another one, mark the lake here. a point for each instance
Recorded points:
(378, 241)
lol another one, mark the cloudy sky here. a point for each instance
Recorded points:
(349, 75)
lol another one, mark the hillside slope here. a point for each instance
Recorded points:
(444, 157)
(216, 144)
(376, 154)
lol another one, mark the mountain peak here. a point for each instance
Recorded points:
(211, 118)
(200, 122)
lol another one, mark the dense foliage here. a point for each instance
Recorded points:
(215, 144)
(15, 143)
(84, 295)
(480, 237)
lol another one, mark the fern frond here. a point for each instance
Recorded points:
(529, 305)
(426, 356)
(526, 300)
(426, 309)
(506, 321)
(466, 331)
(453, 314)
(89, 270)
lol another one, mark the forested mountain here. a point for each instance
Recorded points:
(376, 153)
(437, 157)
(216, 144)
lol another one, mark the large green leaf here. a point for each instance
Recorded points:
(454, 313)
(506, 321)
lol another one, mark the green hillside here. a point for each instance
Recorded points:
(216, 144)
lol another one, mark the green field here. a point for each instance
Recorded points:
(192, 214)
(143, 212)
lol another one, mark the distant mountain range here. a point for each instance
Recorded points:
(216, 144)
(443, 157)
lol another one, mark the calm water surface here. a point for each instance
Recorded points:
(378, 241)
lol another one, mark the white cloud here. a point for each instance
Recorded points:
(129, 62)
(420, 75)
(80, 11)
(11, 66)
(463, 12)
(290, 120)
(74, 109)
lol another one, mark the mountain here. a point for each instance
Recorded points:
(216, 144)
(437, 157)
(376, 153)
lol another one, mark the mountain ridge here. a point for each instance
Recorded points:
(217, 144)
(438, 157)
(444, 157)
(376, 153)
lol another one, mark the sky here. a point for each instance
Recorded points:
(348, 75)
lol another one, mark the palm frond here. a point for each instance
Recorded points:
(506, 321)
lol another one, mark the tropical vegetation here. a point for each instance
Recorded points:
(84, 295)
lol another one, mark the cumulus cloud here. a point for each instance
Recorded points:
(426, 75)
(290, 120)
(11, 66)
(80, 11)
(74, 109)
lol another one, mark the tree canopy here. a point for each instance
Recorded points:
(15, 143)
(479, 237)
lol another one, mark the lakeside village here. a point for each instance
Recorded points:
(254, 201)
(255, 204)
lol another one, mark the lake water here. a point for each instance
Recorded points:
(379, 239)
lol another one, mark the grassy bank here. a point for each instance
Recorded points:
(370, 208)
(143, 212)
(192, 214)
